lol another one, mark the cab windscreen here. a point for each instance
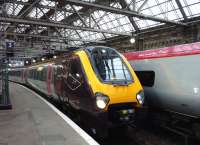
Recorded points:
(110, 67)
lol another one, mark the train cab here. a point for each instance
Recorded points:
(102, 86)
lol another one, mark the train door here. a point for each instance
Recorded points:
(58, 79)
(73, 81)
(49, 80)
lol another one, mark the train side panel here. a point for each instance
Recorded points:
(176, 85)
(40, 78)
(17, 75)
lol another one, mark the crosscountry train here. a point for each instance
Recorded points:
(97, 82)
(171, 80)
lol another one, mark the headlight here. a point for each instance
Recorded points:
(140, 97)
(101, 100)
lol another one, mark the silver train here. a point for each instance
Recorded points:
(171, 80)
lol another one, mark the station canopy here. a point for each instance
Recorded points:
(78, 22)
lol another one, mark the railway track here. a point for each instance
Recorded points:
(146, 136)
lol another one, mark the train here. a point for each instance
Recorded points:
(97, 83)
(170, 77)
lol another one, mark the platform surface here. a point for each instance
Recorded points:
(34, 122)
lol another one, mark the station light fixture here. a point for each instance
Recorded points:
(33, 60)
(43, 59)
(55, 56)
(26, 62)
(132, 40)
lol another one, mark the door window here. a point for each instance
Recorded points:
(74, 74)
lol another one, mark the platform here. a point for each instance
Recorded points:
(33, 121)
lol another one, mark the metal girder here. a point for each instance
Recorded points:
(39, 6)
(25, 11)
(64, 40)
(28, 9)
(98, 26)
(142, 5)
(73, 17)
(80, 17)
(56, 29)
(124, 5)
(49, 13)
(122, 11)
(181, 9)
(134, 4)
(58, 25)
(85, 10)
(54, 37)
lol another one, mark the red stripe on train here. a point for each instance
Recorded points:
(178, 50)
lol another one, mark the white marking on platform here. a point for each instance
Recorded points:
(80, 131)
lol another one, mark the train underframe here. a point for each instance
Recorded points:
(119, 117)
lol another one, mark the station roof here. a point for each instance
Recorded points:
(77, 22)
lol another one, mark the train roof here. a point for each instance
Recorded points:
(172, 51)
(65, 54)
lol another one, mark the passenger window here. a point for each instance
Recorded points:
(45, 73)
(146, 78)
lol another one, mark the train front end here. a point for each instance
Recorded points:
(116, 90)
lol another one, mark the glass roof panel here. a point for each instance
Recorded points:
(3, 26)
(77, 23)
(191, 7)
(87, 35)
(112, 21)
(89, 0)
(23, 0)
(59, 15)
(37, 13)
(13, 9)
(68, 7)
(164, 9)
(48, 3)
(106, 21)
